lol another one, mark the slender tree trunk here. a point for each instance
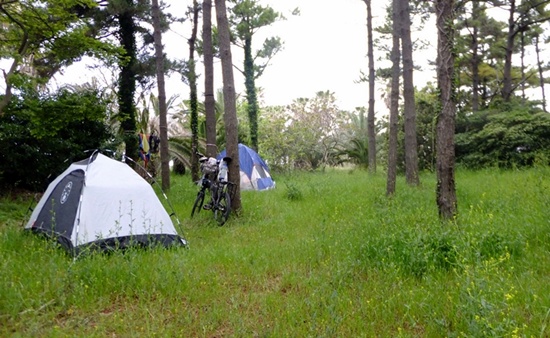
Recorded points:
(21, 52)
(541, 72)
(507, 81)
(475, 56)
(394, 102)
(193, 95)
(411, 148)
(230, 105)
(251, 92)
(371, 131)
(127, 82)
(163, 125)
(522, 56)
(209, 101)
(445, 162)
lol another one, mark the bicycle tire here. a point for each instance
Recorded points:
(223, 207)
(199, 201)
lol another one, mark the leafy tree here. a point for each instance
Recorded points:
(310, 133)
(521, 18)
(276, 142)
(484, 73)
(130, 23)
(39, 134)
(520, 137)
(316, 125)
(246, 18)
(41, 37)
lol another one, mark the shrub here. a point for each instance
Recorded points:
(38, 135)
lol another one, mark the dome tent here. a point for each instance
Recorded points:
(254, 171)
(102, 204)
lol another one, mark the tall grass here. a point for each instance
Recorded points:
(322, 255)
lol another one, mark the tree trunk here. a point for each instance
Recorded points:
(21, 52)
(163, 125)
(371, 131)
(251, 92)
(445, 161)
(522, 58)
(230, 106)
(507, 81)
(193, 95)
(127, 82)
(209, 101)
(411, 148)
(475, 56)
(394, 102)
(541, 72)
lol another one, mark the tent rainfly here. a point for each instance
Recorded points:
(254, 171)
(102, 204)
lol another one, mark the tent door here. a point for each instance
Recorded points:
(59, 212)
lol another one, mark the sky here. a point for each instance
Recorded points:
(325, 48)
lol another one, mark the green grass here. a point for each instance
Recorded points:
(322, 255)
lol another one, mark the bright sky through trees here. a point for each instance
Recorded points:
(325, 48)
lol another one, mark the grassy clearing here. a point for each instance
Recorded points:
(322, 255)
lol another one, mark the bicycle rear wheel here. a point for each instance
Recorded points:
(199, 201)
(223, 207)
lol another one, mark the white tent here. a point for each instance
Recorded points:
(101, 203)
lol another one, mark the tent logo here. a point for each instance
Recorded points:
(66, 192)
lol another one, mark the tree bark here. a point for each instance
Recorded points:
(163, 125)
(411, 148)
(21, 52)
(475, 56)
(251, 97)
(195, 175)
(230, 106)
(507, 80)
(371, 131)
(394, 102)
(445, 161)
(127, 81)
(541, 73)
(209, 100)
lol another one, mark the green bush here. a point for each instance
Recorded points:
(38, 135)
(504, 139)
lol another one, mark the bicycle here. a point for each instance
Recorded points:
(214, 179)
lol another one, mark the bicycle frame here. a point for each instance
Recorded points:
(220, 190)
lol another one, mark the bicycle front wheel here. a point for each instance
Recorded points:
(199, 201)
(223, 208)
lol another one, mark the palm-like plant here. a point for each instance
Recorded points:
(357, 150)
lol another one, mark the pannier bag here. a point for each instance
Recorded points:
(209, 166)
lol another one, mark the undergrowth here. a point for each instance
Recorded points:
(322, 255)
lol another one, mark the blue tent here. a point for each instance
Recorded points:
(254, 171)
